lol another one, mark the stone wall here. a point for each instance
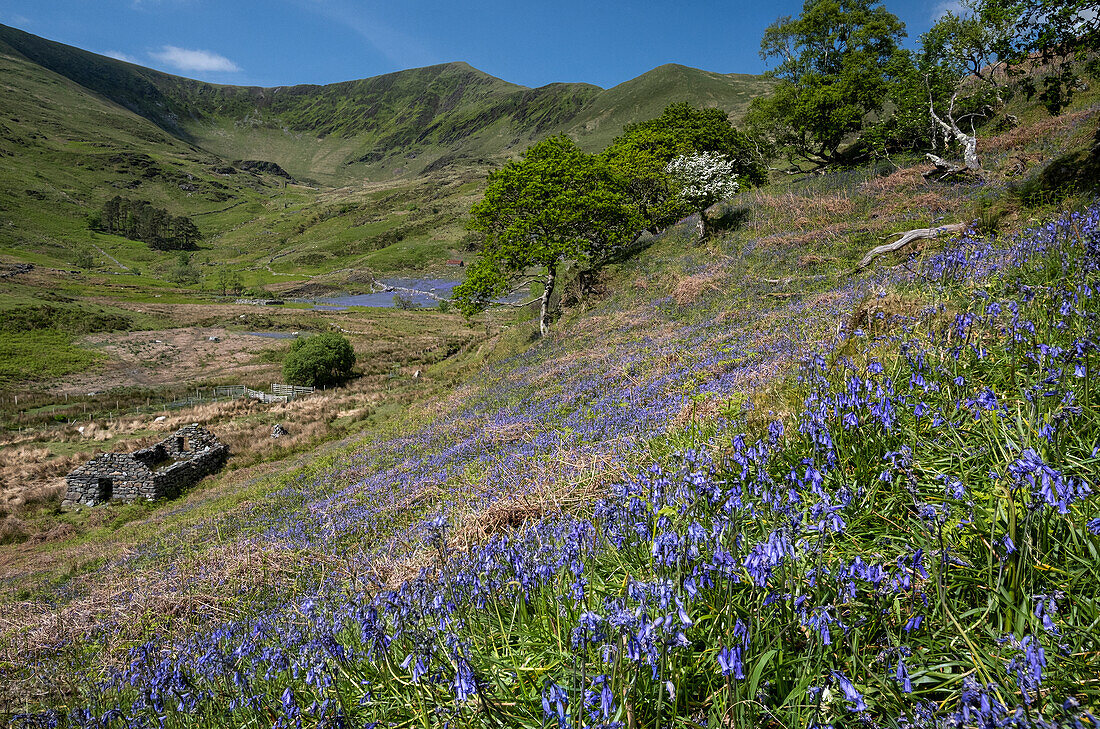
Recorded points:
(159, 471)
(109, 476)
(172, 480)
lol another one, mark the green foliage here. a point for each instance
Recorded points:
(642, 153)
(83, 259)
(954, 74)
(1052, 42)
(837, 58)
(184, 272)
(227, 281)
(323, 359)
(40, 354)
(138, 220)
(70, 320)
(556, 204)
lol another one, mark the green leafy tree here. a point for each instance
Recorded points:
(1051, 44)
(184, 272)
(944, 91)
(835, 65)
(138, 220)
(323, 359)
(642, 153)
(556, 204)
(227, 280)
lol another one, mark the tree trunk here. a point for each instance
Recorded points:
(969, 142)
(544, 316)
(908, 237)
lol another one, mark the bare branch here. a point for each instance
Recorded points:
(907, 238)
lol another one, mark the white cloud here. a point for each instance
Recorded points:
(400, 48)
(20, 21)
(120, 56)
(185, 59)
(944, 7)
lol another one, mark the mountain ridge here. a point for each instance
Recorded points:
(403, 120)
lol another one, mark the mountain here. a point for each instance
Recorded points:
(646, 96)
(396, 124)
(379, 172)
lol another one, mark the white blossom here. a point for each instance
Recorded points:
(705, 177)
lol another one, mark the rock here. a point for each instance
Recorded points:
(724, 216)
(259, 165)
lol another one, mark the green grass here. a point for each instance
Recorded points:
(36, 355)
(63, 151)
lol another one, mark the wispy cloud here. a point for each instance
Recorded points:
(401, 49)
(186, 59)
(120, 56)
(21, 21)
(944, 7)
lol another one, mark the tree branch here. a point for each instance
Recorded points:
(906, 238)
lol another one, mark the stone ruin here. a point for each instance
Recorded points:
(160, 471)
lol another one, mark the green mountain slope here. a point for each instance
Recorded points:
(397, 124)
(64, 151)
(391, 163)
(646, 96)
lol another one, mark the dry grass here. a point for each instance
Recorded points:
(30, 479)
(818, 237)
(1026, 135)
(803, 211)
(689, 288)
(903, 180)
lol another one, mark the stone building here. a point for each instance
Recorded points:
(162, 470)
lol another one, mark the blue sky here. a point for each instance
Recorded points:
(283, 42)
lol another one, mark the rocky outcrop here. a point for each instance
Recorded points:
(259, 165)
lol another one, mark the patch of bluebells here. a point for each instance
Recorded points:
(713, 558)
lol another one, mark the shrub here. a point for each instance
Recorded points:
(323, 359)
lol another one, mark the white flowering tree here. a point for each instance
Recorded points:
(704, 178)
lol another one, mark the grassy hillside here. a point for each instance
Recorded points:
(63, 152)
(646, 96)
(391, 125)
(744, 484)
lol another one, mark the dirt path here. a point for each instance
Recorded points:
(108, 255)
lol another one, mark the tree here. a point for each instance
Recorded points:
(943, 92)
(227, 280)
(961, 78)
(703, 178)
(323, 359)
(138, 220)
(184, 272)
(641, 156)
(835, 62)
(556, 204)
(1051, 42)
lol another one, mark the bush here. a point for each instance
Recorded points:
(404, 301)
(323, 359)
